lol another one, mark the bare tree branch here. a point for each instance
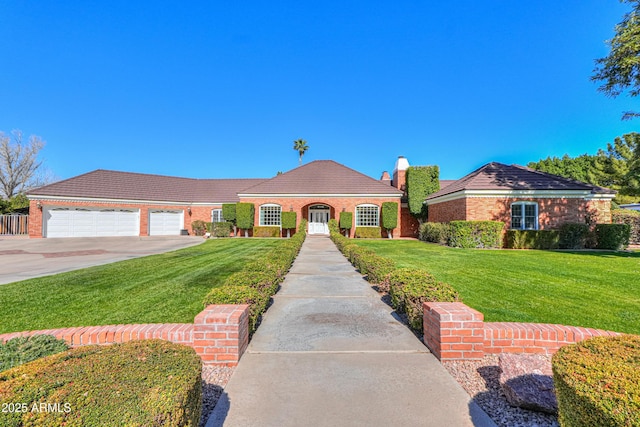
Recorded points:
(19, 163)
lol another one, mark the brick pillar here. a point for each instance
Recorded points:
(453, 331)
(221, 334)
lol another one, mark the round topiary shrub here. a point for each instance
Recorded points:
(597, 382)
(139, 383)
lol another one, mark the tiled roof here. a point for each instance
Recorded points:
(498, 176)
(106, 184)
(322, 177)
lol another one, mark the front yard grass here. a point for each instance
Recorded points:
(591, 289)
(164, 288)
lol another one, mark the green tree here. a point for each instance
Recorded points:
(229, 215)
(389, 217)
(245, 214)
(300, 145)
(289, 220)
(421, 181)
(619, 71)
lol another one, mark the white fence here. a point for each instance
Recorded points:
(14, 225)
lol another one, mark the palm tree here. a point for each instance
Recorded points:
(300, 145)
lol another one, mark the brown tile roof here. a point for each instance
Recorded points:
(498, 176)
(322, 177)
(106, 184)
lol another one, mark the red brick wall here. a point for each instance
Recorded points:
(219, 334)
(36, 223)
(408, 223)
(453, 331)
(552, 212)
(337, 204)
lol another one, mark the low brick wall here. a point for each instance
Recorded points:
(219, 334)
(454, 331)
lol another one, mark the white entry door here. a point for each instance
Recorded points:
(318, 219)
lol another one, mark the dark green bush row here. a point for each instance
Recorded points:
(628, 216)
(573, 235)
(368, 232)
(435, 232)
(612, 236)
(597, 382)
(139, 383)
(476, 234)
(532, 239)
(266, 231)
(259, 279)
(21, 350)
(409, 288)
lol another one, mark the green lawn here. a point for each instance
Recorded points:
(593, 289)
(163, 288)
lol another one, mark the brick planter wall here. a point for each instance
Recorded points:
(454, 331)
(219, 334)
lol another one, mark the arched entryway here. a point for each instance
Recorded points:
(318, 218)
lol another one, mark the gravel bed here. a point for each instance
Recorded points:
(481, 379)
(214, 379)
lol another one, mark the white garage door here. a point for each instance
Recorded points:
(91, 222)
(165, 223)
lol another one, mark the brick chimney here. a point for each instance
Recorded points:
(400, 173)
(385, 178)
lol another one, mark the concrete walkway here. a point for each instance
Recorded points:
(329, 352)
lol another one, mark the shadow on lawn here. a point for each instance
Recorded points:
(600, 253)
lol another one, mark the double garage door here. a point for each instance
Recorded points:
(96, 222)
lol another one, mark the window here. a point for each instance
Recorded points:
(216, 215)
(367, 216)
(524, 216)
(270, 214)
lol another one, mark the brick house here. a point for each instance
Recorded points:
(111, 203)
(520, 197)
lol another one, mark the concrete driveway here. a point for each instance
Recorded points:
(22, 259)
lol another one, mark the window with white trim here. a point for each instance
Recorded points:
(367, 216)
(216, 215)
(524, 216)
(270, 214)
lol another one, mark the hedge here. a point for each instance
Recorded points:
(346, 220)
(597, 382)
(421, 181)
(476, 234)
(21, 350)
(266, 231)
(532, 239)
(229, 212)
(573, 235)
(289, 220)
(245, 213)
(409, 288)
(389, 216)
(199, 227)
(241, 294)
(368, 232)
(139, 383)
(613, 236)
(631, 217)
(435, 232)
(220, 229)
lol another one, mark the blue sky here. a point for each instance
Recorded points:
(221, 89)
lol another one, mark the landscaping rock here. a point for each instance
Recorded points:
(527, 382)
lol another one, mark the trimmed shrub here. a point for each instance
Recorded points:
(240, 294)
(368, 232)
(266, 231)
(476, 234)
(229, 212)
(573, 235)
(409, 288)
(532, 239)
(631, 217)
(333, 226)
(435, 232)
(199, 227)
(245, 213)
(389, 216)
(613, 236)
(264, 281)
(139, 383)
(221, 229)
(21, 350)
(346, 220)
(302, 228)
(421, 181)
(289, 220)
(597, 382)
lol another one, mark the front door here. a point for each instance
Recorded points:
(318, 219)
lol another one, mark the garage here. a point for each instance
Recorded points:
(165, 222)
(91, 222)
